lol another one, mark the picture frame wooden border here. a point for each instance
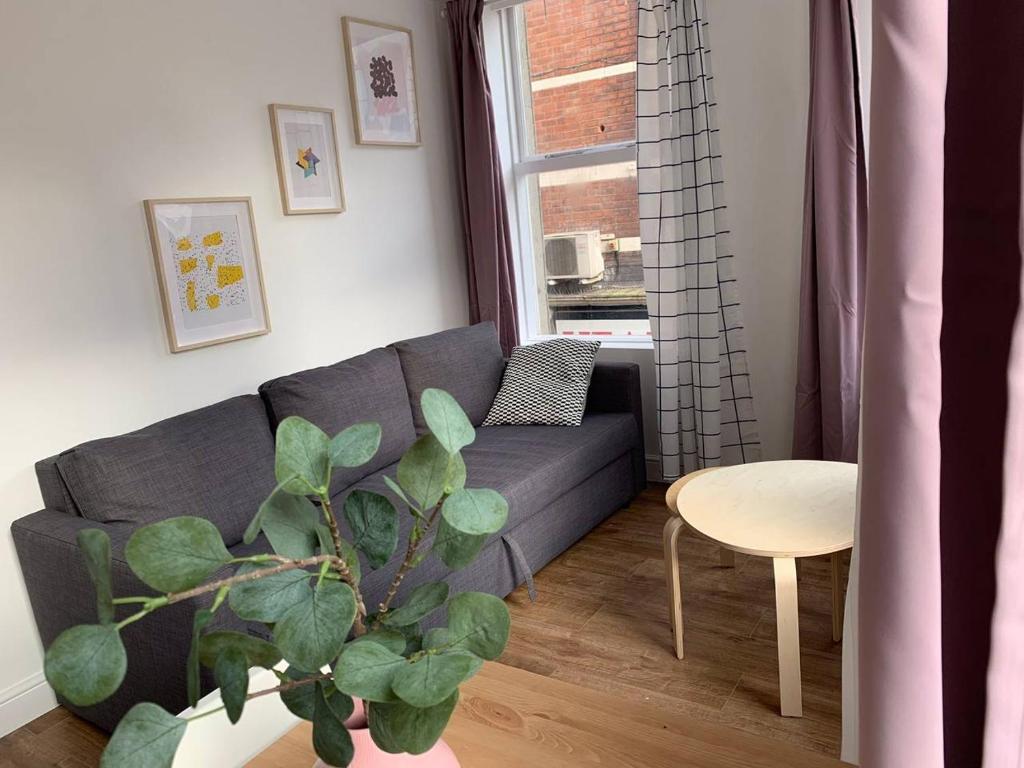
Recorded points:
(280, 161)
(350, 61)
(149, 206)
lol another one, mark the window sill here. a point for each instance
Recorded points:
(607, 342)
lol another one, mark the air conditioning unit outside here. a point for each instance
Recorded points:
(574, 256)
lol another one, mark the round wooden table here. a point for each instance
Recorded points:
(778, 509)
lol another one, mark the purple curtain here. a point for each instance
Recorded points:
(485, 212)
(827, 408)
(942, 294)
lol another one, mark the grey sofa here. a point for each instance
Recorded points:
(218, 463)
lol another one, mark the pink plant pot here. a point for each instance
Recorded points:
(369, 755)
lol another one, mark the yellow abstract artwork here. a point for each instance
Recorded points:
(223, 283)
(228, 274)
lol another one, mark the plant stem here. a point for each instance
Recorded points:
(285, 565)
(406, 566)
(359, 627)
(265, 692)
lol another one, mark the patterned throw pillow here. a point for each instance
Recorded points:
(545, 383)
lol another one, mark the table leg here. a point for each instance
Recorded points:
(675, 599)
(788, 623)
(837, 599)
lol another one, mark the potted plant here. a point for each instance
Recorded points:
(307, 591)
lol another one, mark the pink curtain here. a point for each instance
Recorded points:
(941, 389)
(485, 211)
(827, 406)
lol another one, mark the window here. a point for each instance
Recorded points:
(564, 75)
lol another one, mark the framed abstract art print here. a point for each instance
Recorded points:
(208, 268)
(382, 83)
(308, 167)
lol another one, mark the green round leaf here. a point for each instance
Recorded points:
(147, 737)
(259, 652)
(231, 671)
(366, 670)
(331, 740)
(480, 623)
(476, 511)
(176, 554)
(299, 700)
(356, 445)
(313, 631)
(456, 477)
(446, 420)
(95, 546)
(433, 678)
(289, 523)
(456, 549)
(374, 524)
(86, 664)
(423, 470)
(269, 598)
(201, 618)
(400, 727)
(391, 639)
(435, 638)
(423, 600)
(302, 463)
(341, 704)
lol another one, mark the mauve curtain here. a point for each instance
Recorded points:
(941, 466)
(827, 407)
(485, 212)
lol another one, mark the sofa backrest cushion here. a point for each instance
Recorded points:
(369, 387)
(466, 362)
(216, 463)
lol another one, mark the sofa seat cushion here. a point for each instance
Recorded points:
(216, 462)
(369, 387)
(531, 466)
(465, 362)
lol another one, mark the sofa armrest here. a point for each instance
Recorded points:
(615, 388)
(62, 596)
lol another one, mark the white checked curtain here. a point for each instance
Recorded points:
(705, 409)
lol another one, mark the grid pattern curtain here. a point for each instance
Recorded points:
(705, 408)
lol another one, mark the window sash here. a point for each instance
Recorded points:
(505, 36)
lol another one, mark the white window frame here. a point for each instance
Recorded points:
(501, 26)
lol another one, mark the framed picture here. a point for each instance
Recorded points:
(383, 83)
(208, 267)
(308, 168)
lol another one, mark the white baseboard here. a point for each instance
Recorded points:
(24, 701)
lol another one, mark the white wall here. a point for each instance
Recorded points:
(108, 103)
(759, 56)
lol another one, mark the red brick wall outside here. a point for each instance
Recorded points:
(609, 206)
(567, 36)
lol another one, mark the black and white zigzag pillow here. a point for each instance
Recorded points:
(545, 383)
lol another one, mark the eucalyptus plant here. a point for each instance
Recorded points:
(326, 647)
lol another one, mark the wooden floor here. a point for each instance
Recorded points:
(601, 621)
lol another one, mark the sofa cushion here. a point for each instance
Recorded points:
(545, 383)
(216, 462)
(531, 466)
(369, 387)
(466, 362)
